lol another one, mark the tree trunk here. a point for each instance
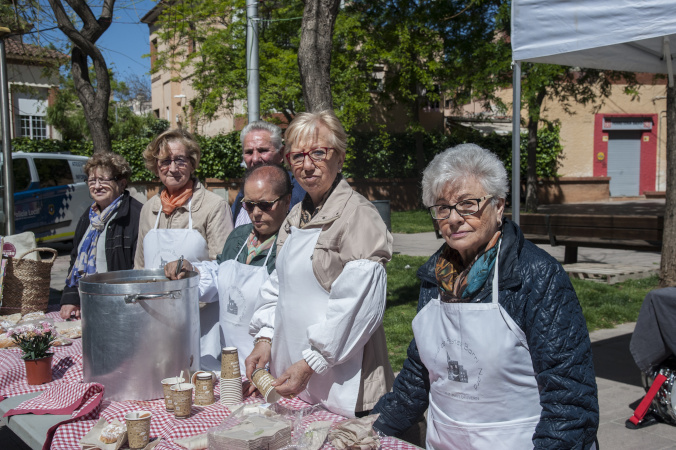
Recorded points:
(94, 101)
(531, 174)
(314, 53)
(534, 107)
(418, 136)
(668, 264)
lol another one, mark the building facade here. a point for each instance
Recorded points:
(171, 91)
(33, 79)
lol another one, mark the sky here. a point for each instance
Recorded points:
(123, 43)
(127, 39)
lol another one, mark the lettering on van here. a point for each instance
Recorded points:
(26, 213)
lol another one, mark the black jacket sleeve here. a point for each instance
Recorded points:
(560, 348)
(405, 405)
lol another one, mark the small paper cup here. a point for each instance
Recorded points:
(262, 379)
(204, 388)
(138, 428)
(230, 363)
(182, 397)
(167, 383)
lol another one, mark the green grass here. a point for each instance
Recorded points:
(603, 306)
(416, 221)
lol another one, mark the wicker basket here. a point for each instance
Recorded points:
(26, 283)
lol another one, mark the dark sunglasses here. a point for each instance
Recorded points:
(263, 206)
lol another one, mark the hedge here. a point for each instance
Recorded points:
(369, 155)
(221, 155)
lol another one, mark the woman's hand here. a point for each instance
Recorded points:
(258, 359)
(170, 270)
(69, 310)
(294, 380)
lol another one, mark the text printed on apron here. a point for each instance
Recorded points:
(238, 287)
(483, 392)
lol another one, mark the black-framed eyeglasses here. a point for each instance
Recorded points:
(180, 162)
(101, 181)
(264, 206)
(465, 207)
(316, 154)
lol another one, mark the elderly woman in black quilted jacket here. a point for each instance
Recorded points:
(501, 354)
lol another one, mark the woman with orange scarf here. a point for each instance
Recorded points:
(183, 219)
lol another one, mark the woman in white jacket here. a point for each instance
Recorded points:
(319, 316)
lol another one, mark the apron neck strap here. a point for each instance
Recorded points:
(494, 294)
(265, 263)
(157, 221)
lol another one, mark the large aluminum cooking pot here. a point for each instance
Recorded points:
(138, 327)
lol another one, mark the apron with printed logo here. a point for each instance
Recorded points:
(304, 302)
(483, 391)
(161, 246)
(238, 286)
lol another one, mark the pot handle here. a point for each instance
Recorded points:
(133, 298)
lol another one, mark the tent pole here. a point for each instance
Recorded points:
(667, 59)
(516, 141)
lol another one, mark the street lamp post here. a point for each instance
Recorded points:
(7, 172)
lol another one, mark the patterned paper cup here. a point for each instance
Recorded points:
(167, 383)
(138, 428)
(262, 379)
(204, 387)
(182, 396)
(230, 363)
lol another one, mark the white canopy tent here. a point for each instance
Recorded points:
(627, 35)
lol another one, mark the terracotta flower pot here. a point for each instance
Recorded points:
(39, 371)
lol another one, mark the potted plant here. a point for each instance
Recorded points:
(35, 342)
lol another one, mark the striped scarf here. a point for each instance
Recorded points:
(254, 247)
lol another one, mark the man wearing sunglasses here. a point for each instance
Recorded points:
(247, 259)
(262, 143)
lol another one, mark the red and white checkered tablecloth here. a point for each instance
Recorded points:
(62, 398)
(67, 368)
(165, 426)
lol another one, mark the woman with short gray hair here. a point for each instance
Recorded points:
(501, 355)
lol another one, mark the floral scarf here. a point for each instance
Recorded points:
(171, 202)
(85, 264)
(458, 284)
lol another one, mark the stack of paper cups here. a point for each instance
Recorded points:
(231, 378)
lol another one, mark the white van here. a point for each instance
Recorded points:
(50, 194)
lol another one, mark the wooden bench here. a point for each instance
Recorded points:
(642, 233)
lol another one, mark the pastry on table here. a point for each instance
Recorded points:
(6, 342)
(37, 315)
(71, 330)
(71, 333)
(61, 341)
(112, 432)
(11, 319)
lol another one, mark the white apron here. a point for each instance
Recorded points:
(161, 246)
(483, 392)
(238, 287)
(303, 302)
